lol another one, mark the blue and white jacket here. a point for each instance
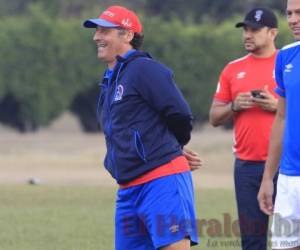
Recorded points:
(144, 116)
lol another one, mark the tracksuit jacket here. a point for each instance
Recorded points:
(145, 119)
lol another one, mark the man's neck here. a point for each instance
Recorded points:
(265, 53)
(125, 54)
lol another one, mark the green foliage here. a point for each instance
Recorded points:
(285, 35)
(197, 54)
(201, 9)
(48, 62)
(64, 8)
(185, 10)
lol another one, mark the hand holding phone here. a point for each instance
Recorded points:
(264, 99)
(257, 94)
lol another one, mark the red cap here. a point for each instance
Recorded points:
(116, 16)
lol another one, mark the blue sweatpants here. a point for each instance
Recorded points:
(156, 214)
(253, 222)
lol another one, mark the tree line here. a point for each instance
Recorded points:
(48, 61)
(198, 10)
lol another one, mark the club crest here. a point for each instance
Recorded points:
(119, 93)
(258, 15)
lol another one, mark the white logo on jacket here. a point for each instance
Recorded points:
(119, 93)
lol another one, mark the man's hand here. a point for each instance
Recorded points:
(268, 103)
(265, 195)
(193, 158)
(242, 101)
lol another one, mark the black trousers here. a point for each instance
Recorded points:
(253, 222)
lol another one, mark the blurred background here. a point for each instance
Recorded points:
(48, 62)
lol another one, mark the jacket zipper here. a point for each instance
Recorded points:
(110, 101)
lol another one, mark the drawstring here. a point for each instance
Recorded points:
(100, 94)
(98, 103)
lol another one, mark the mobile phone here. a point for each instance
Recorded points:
(257, 93)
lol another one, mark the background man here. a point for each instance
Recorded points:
(146, 122)
(285, 144)
(252, 113)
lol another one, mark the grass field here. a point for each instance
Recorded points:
(81, 218)
(73, 208)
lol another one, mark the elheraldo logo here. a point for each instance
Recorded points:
(217, 232)
(285, 232)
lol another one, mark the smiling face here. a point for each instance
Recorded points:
(111, 42)
(258, 40)
(293, 17)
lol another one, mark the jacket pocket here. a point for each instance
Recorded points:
(139, 146)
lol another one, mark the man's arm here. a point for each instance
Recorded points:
(220, 112)
(266, 189)
(181, 126)
(156, 84)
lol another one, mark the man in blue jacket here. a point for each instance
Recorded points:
(146, 122)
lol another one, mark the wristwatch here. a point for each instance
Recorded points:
(232, 107)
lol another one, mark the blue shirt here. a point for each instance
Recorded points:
(287, 72)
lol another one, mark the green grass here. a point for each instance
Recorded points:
(81, 218)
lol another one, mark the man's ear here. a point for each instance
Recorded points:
(274, 32)
(129, 36)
